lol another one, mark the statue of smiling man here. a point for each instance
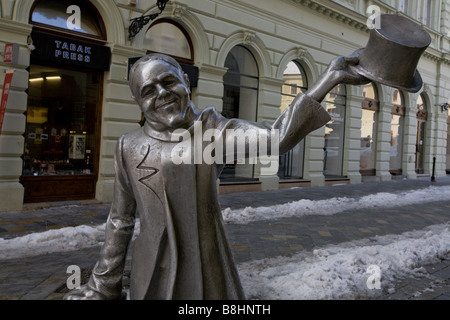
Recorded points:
(182, 250)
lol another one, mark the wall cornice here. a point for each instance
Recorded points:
(337, 12)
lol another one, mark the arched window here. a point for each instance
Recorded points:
(369, 125)
(69, 16)
(422, 116)
(336, 101)
(397, 123)
(240, 99)
(295, 82)
(168, 37)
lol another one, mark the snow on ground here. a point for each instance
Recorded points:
(58, 240)
(336, 205)
(333, 272)
(347, 271)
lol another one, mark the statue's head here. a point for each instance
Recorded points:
(161, 89)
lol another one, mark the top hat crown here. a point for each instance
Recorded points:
(393, 53)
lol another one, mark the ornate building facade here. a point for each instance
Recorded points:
(69, 99)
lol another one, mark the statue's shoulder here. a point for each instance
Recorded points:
(211, 116)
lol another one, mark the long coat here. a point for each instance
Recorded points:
(182, 250)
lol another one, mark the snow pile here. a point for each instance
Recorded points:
(336, 205)
(59, 240)
(341, 272)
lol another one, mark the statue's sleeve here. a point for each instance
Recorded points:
(107, 274)
(303, 116)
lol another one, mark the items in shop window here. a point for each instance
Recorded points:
(77, 145)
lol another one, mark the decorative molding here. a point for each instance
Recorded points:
(301, 52)
(437, 57)
(350, 21)
(178, 11)
(248, 37)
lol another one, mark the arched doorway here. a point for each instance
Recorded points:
(240, 100)
(63, 126)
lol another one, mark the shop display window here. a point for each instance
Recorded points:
(333, 161)
(60, 136)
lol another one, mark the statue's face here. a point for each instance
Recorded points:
(162, 92)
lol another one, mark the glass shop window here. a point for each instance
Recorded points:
(369, 125)
(295, 82)
(61, 127)
(335, 101)
(397, 127)
(422, 117)
(240, 100)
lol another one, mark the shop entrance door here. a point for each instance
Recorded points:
(62, 134)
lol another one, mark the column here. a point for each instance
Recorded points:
(120, 115)
(11, 139)
(384, 137)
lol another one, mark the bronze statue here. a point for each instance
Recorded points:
(182, 250)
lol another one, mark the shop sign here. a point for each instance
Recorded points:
(5, 94)
(52, 48)
(11, 54)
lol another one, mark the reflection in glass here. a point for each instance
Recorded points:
(240, 100)
(368, 134)
(61, 130)
(167, 38)
(368, 131)
(420, 138)
(54, 13)
(395, 162)
(334, 131)
(396, 145)
(295, 82)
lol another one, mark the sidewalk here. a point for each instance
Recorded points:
(44, 277)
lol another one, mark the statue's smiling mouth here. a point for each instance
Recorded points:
(164, 104)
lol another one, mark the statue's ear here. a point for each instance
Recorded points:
(186, 79)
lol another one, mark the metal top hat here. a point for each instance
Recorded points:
(393, 53)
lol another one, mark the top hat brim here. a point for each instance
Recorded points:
(414, 85)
